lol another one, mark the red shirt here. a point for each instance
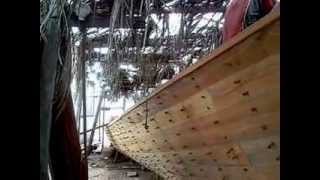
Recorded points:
(235, 16)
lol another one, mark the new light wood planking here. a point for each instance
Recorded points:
(219, 119)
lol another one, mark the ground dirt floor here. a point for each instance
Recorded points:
(105, 167)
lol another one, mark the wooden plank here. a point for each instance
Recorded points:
(220, 119)
(234, 95)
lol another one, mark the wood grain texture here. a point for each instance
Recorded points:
(219, 119)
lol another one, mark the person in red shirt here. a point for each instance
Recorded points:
(242, 13)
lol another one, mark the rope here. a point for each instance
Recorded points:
(146, 122)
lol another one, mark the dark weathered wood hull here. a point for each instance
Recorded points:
(219, 119)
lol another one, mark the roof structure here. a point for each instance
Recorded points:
(141, 44)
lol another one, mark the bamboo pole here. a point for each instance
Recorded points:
(83, 74)
(95, 121)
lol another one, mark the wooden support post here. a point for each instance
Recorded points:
(124, 104)
(99, 129)
(83, 73)
(78, 115)
(102, 145)
(95, 121)
(115, 157)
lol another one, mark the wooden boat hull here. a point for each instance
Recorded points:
(219, 119)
